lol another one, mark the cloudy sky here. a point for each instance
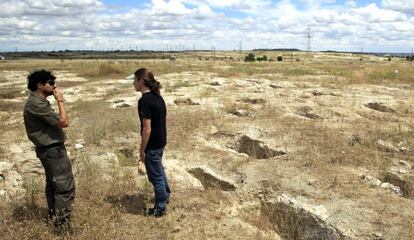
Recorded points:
(350, 25)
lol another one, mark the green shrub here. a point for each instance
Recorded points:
(264, 58)
(250, 58)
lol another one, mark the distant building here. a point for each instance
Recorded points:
(2, 57)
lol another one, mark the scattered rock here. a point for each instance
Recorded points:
(298, 220)
(78, 146)
(11, 184)
(379, 107)
(211, 180)
(80, 141)
(217, 82)
(254, 100)
(25, 160)
(181, 178)
(118, 100)
(13, 121)
(69, 92)
(306, 112)
(256, 148)
(122, 105)
(3, 195)
(130, 77)
(305, 96)
(224, 134)
(30, 167)
(176, 229)
(317, 93)
(240, 113)
(378, 116)
(377, 236)
(275, 86)
(404, 164)
(128, 152)
(184, 102)
(384, 146)
(392, 187)
(258, 90)
(399, 175)
(402, 147)
(374, 182)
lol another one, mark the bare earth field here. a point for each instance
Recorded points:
(319, 148)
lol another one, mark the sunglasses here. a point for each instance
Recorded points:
(51, 82)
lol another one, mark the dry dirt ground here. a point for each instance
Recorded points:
(259, 156)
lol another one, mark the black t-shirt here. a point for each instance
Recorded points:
(152, 106)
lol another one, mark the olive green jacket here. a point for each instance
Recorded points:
(41, 122)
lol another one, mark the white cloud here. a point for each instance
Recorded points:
(79, 24)
(10, 25)
(239, 4)
(203, 12)
(11, 8)
(399, 5)
(375, 14)
(44, 4)
(251, 6)
(48, 7)
(173, 7)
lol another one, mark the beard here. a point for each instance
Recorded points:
(47, 93)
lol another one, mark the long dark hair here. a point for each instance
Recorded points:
(149, 80)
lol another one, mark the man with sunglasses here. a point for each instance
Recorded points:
(44, 127)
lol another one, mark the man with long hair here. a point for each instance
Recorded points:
(152, 114)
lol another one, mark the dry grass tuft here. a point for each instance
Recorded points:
(10, 93)
(97, 122)
(181, 123)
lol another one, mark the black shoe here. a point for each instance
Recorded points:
(156, 212)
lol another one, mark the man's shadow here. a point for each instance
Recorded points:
(134, 204)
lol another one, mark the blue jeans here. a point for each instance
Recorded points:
(156, 175)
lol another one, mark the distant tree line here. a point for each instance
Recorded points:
(251, 58)
(277, 49)
(409, 58)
